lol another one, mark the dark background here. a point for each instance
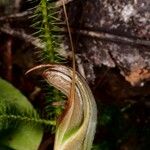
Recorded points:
(112, 52)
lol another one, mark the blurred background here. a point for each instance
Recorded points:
(112, 42)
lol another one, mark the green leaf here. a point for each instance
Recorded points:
(25, 136)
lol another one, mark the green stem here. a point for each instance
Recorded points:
(27, 119)
(47, 33)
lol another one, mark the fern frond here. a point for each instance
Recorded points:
(45, 20)
(11, 117)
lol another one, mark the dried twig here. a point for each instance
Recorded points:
(60, 2)
(114, 38)
(29, 12)
(22, 35)
(16, 15)
(8, 58)
(94, 34)
(109, 37)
